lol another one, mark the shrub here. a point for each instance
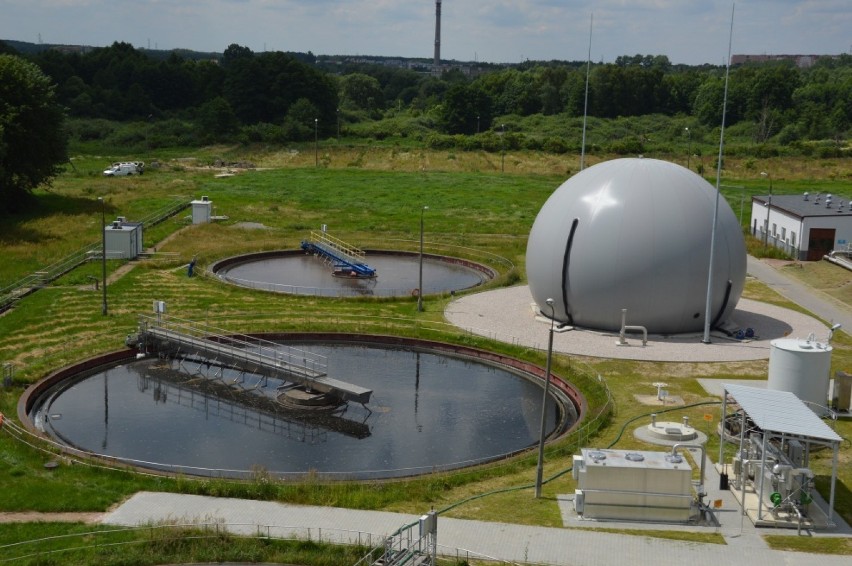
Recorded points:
(629, 146)
(90, 130)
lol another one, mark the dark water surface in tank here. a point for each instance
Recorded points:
(308, 275)
(428, 411)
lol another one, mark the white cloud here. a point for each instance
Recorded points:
(490, 30)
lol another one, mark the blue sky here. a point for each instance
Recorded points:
(691, 32)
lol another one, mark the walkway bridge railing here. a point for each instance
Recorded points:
(17, 290)
(338, 252)
(256, 355)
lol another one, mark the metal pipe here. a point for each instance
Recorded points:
(420, 280)
(703, 463)
(626, 328)
(103, 254)
(762, 478)
(768, 211)
(540, 467)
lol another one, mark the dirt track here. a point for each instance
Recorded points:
(36, 517)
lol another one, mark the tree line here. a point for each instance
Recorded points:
(247, 89)
(276, 97)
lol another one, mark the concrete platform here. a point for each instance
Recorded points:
(515, 322)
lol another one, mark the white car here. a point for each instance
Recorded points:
(125, 168)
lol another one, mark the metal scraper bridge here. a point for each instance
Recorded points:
(250, 354)
(346, 259)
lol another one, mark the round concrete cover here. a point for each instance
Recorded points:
(635, 233)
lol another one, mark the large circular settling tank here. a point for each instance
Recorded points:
(398, 274)
(429, 411)
(635, 234)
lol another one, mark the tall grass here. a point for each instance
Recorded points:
(370, 195)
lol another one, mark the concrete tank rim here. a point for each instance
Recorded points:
(562, 390)
(796, 345)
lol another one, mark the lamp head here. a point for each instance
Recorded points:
(764, 174)
(835, 327)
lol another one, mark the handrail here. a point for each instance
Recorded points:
(339, 245)
(43, 276)
(256, 348)
(327, 535)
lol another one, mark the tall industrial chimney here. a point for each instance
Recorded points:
(436, 66)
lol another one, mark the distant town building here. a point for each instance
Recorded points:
(801, 61)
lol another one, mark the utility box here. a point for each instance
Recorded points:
(201, 210)
(633, 486)
(842, 391)
(123, 240)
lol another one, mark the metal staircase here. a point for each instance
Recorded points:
(347, 260)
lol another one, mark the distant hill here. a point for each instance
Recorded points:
(27, 48)
(330, 63)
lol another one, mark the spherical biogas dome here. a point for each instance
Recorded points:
(635, 234)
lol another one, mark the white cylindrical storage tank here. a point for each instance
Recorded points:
(801, 367)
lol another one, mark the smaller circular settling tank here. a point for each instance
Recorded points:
(397, 274)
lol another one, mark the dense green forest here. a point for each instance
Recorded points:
(276, 97)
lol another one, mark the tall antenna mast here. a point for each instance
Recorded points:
(586, 103)
(707, 313)
(436, 65)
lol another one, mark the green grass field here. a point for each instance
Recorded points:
(373, 198)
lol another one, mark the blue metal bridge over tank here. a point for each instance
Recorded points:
(341, 255)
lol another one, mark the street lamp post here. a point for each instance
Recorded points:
(502, 146)
(316, 142)
(338, 124)
(420, 281)
(768, 210)
(688, 146)
(103, 254)
(540, 468)
(477, 123)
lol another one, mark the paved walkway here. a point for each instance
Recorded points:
(824, 306)
(520, 543)
(509, 542)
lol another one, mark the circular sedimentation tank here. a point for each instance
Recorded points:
(434, 407)
(397, 274)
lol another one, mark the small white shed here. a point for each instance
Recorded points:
(123, 239)
(201, 210)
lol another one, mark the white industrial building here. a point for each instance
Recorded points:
(805, 226)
